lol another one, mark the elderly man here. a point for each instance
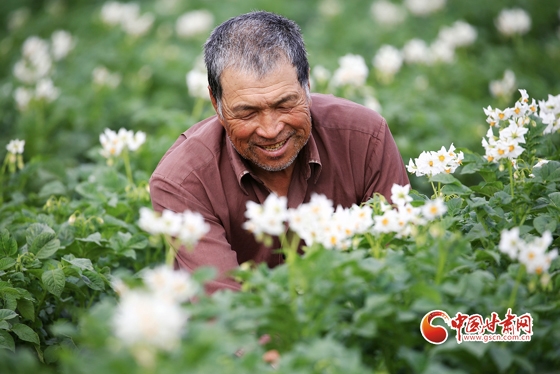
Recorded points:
(270, 135)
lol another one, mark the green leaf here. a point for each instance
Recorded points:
(93, 280)
(545, 223)
(82, 263)
(54, 281)
(129, 253)
(6, 341)
(549, 172)
(45, 245)
(470, 168)
(7, 314)
(555, 199)
(93, 238)
(486, 254)
(8, 245)
(455, 189)
(10, 297)
(51, 353)
(476, 232)
(25, 333)
(6, 263)
(476, 202)
(502, 357)
(26, 309)
(444, 178)
(53, 188)
(35, 230)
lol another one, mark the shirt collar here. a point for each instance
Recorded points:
(310, 154)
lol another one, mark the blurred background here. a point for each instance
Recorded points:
(70, 69)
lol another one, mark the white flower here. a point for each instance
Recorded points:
(460, 34)
(400, 194)
(149, 221)
(197, 83)
(46, 90)
(550, 113)
(15, 146)
(194, 23)
(167, 283)
(540, 163)
(193, 228)
(139, 25)
(321, 73)
(267, 218)
(372, 103)
(352, 71)
(112, 13)
(505, 87)
(424, 7)
(511, 243)
(127, 15)
(143, 319)
(388, 222)
(387, 13)
(36, 61)
(534, 258)
(134, 142)
(442, 51)
(103, 77)
(34, 48)
(416, 51)
(330, 8)
(310, 220)
(434, 209)
(427, 163)
(23, 97)
(387, 61)
(62, 44)
(111, 144)
(513, 21)
(170, 223)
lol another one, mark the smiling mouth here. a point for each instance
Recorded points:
(273, 147)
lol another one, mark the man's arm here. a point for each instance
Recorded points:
(213, 249)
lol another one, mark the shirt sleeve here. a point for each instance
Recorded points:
(386, 165)
(213, 249)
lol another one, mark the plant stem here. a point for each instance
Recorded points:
(374, 246)
(126, 160)
(434, 188)
(441, 262)
(290, 250)
(510, 168)
(170, 256)
(513, 295)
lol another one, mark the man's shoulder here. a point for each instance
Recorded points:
(331, 112)
(194, 150)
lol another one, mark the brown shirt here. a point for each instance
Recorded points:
(350, 155)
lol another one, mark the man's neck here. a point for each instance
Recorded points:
(276, 181)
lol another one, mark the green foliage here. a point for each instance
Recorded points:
(68, 219)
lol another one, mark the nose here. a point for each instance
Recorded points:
(269, 124)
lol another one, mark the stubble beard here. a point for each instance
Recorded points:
(250, 155)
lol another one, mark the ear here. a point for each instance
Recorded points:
(215, 104)
(213, 99)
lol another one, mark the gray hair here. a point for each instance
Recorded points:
(255, 43)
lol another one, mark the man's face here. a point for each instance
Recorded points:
(267, 119)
